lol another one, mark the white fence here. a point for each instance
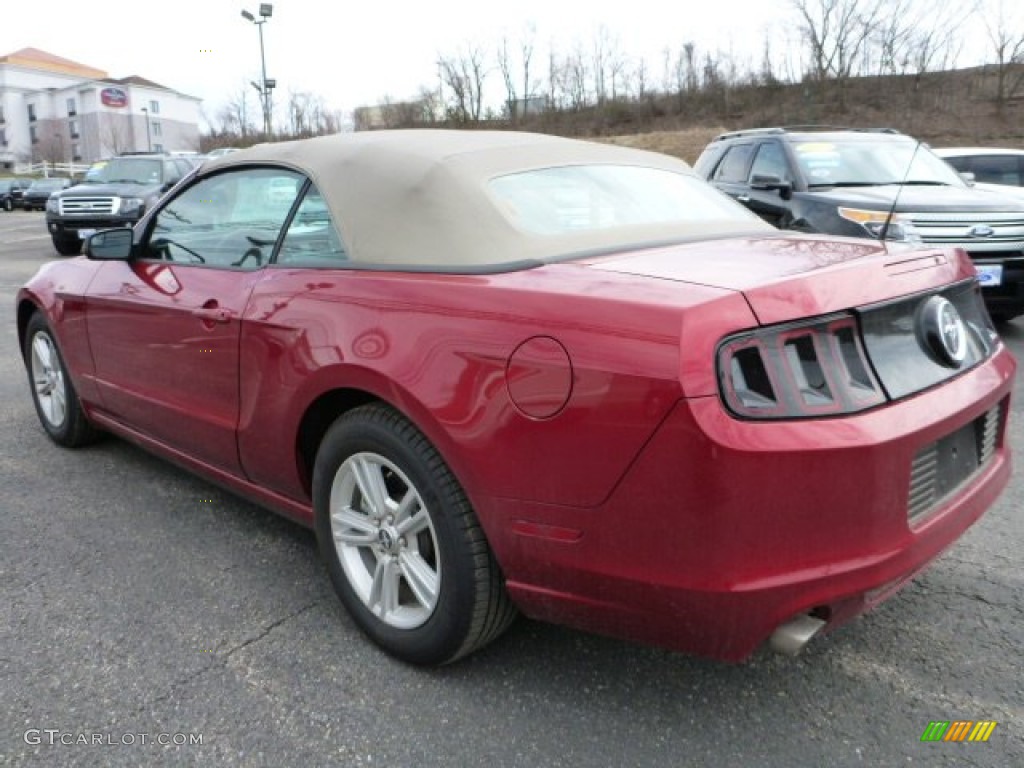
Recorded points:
(51, 169)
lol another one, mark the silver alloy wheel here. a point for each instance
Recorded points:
(385, 540)
(48, 379)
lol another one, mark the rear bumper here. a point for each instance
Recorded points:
(722, 530)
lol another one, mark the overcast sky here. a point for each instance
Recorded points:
(352, 52)
(355, 52)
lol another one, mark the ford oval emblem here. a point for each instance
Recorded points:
(941, 331)
(982, 230)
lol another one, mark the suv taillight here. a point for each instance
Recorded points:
(818, 368)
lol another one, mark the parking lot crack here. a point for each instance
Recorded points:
(217, 662)
(265, 631)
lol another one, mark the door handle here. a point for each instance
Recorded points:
(212, 312)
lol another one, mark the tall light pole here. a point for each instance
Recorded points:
(266, 11)
(149, 140)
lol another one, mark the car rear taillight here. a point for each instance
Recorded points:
(798, 371)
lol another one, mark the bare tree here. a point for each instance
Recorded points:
(917, 36)
(50, 148)
(690, 66)
(465, 76)
(1005, 31)
(234, 116)
(509, 76)
(767, 74)
(557, 77)
(836, 33)
(525, 58)
(618, 72)
(517, 92)
(116, 134)
(602, 52)
(577, 79)
(639, 80)
(299, 109)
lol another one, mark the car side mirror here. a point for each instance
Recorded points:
(968, 177)
(110, 245)
(768, 183)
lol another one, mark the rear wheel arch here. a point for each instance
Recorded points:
(330, 405)
(317, 419)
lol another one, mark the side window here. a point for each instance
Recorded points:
(997, 169)
(962, 164)
(734, 165)
(171, 174)
(311, 239)
(771, 161)
(231, 220)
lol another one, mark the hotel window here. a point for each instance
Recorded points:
(32, 134)
(156, 129)
(76, 152)
(73, 128)
(158, 148)
(154, 107)
(3, 137)
(31, 113)
(71, 108)
(2, 119)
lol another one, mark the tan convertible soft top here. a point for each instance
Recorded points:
(420, 198)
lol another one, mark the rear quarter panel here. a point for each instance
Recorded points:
(437, 347)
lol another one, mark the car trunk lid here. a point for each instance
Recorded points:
(788, 277)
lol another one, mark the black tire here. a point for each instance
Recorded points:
(436, 534)
(8, 205)
(67, 245)
(57, 405)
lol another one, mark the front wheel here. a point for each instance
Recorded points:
(67, 245)
(53, 394)
(8, 205)
(404, 550)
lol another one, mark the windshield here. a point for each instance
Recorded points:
(45, 184)
(869, 162)
(125, 170)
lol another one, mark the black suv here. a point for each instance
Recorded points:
(34, 198)
(877, 183)
(115, 193)
(11, 191)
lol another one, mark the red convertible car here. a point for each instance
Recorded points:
(501, 373)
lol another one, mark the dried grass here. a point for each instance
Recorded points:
(686, 144)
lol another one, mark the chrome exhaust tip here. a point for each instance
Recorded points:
(791, 637)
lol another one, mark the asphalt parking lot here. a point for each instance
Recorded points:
(144, 610)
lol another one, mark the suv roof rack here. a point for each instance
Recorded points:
(798, 129)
